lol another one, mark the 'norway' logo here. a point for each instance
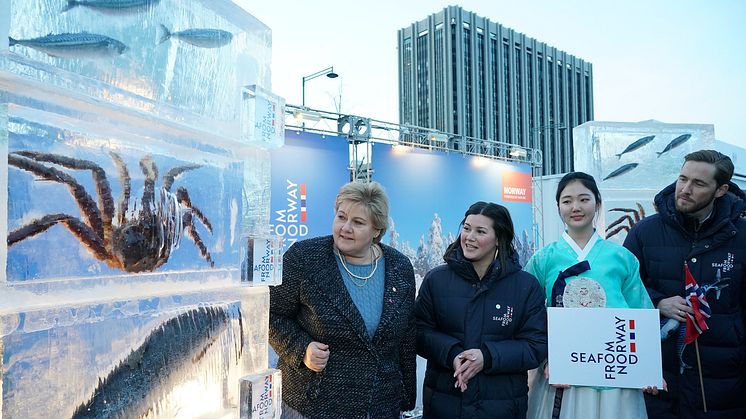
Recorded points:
(725, 265)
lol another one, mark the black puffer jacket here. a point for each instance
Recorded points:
(503, 315)
(662, 242)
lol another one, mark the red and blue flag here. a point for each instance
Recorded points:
(695, 298)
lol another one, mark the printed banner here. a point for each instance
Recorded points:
(431, 190)
(604, 347)
(307, 173)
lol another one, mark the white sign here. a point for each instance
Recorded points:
(605, 347)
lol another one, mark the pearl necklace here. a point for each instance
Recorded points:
(358, 277)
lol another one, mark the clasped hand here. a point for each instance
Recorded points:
(316, 357)
(466, 365)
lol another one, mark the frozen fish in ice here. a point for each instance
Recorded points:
(621, 170)
(203, 38)
(681, 139)
(113, 7)
(637, 144)
(74, 45)
(167, 357)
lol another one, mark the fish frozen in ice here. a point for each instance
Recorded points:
(74, 45)
(637, 144)
(203, 38)
(681, 139)
(621, 170)
(151, 371)
(112, 7)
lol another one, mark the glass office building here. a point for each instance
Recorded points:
(466, 75)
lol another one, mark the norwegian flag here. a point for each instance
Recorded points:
(695, 298)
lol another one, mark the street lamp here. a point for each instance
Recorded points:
(328, 72)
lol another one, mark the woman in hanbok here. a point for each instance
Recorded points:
(581, 269)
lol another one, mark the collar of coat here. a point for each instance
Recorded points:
(455, 259)
(726, 211)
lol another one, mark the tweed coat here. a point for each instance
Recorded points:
(363, 376)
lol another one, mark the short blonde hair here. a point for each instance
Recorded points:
(371, 196)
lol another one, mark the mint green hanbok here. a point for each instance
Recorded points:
(613, 281)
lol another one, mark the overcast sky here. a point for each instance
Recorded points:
(676, 61)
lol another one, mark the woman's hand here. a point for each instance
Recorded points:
(654, 390)
(317, 354)
(466, 365)
(546, 376)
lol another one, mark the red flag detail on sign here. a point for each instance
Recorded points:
(695, 298)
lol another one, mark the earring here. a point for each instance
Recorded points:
(495, 258)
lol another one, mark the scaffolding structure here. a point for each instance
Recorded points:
(362, 131)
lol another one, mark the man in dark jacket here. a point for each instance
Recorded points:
(699, 222)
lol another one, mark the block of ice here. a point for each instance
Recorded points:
(632, 162)
(195, 55)
(262, 118)
(263, 263)
(261, 395)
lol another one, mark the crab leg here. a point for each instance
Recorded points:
(125, 182)
(150, 171)
(170, 176)
(87, 206)
(616, 230)
(105, 201)
(81, 231)
(622, 218)
(191, 232)
(183, 197)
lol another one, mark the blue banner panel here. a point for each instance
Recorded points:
(307, 173)
(431, 190)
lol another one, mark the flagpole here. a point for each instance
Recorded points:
(701, 381)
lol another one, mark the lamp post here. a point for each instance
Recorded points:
(328, 72)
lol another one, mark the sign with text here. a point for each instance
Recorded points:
(516, 186)
(307, 173)
(604, 347)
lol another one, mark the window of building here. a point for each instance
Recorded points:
(468, 128)
(518, 102)
(407, 109)
(423, 86)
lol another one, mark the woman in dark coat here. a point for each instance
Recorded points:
(481, 323)
(342, 321)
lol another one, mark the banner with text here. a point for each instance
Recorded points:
(431, 190)
(307, 173)
(605, 347)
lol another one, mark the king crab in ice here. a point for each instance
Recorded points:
(131, 241)
(619, 224)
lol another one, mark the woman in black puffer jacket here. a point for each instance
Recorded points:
(481, 323)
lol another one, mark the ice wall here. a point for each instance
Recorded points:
(134, 172)
(631, 163)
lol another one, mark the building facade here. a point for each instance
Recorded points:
(468, 76)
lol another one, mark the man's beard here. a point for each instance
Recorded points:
(697, 207)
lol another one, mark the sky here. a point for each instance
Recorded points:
(675, 61)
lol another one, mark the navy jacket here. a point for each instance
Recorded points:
(662, 243)
(364, 378)
(503, 315)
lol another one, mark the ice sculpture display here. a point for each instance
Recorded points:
(632, 162)
(134, 178)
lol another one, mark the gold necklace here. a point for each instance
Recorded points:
(353, 277)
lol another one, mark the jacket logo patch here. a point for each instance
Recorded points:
(725, 265)
(506, 318)
(718, 285)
